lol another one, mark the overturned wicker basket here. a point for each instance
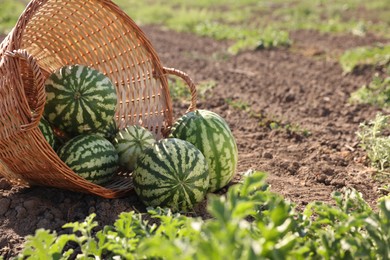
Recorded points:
(50, 34)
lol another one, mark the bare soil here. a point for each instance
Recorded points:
(302, 86)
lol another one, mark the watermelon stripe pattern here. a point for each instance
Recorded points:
(109, 131)
(211, 135)
(130, 143)
(79, 99)
(90, 156)
(47, 131)
(171, 173)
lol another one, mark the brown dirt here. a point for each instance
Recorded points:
(290, 86)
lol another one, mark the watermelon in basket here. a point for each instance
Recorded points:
(52, 34)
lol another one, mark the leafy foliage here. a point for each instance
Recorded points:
(9, 13)
(248, 23)
(249, 222)
(180, 91)
(376, 56)
(377, 92)
(374, 142)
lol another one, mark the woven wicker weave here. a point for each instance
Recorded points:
(53, 33)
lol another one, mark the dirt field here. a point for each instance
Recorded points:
(303, 86)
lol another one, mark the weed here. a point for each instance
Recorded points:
(297, 129)
(377, 93)
(376, 56)
(180, 91)
(216, 19)
(376, 143)
(249, 23)
(238, 104)
(291, 129)
(9, 13)
(204, 88)
(278, 125)
(264, 39)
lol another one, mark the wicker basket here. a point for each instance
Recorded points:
(53, 33)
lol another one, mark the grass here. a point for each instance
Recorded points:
(204, 18)
(252, 24)
(376, 93)
(9, 13)
(238, 104)
(275, 124)
(336, 16)
(326, 16)
(371, 55)
(375, 141)
(180, 91)
(249, 24)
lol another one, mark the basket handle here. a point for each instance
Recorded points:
(190, 83)
(38, 88)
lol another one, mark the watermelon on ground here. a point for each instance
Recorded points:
(90, 156)
(210, 133)
(79, 99)
(130, 143)
(171, 173)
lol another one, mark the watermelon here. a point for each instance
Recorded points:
(90, 156)
(210, 133)
(130, 142)
(108, 131)
(171, 173)
(79, 99)
(47, 131)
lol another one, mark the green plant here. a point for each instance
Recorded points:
(9, 13)
(374, 56)
(238, 104)
(204, 88)
(211, 18)
(248, 222)
(377, 93)
(247, 24)
(350, 230)
(376, 143)
(273, 123)
(385, 189)
(180, 91)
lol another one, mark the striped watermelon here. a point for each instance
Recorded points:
(79, 99)
(91, 156)
(130, 142)
(210, 133)
(47, 131)
(108, 131)
(171, 173)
